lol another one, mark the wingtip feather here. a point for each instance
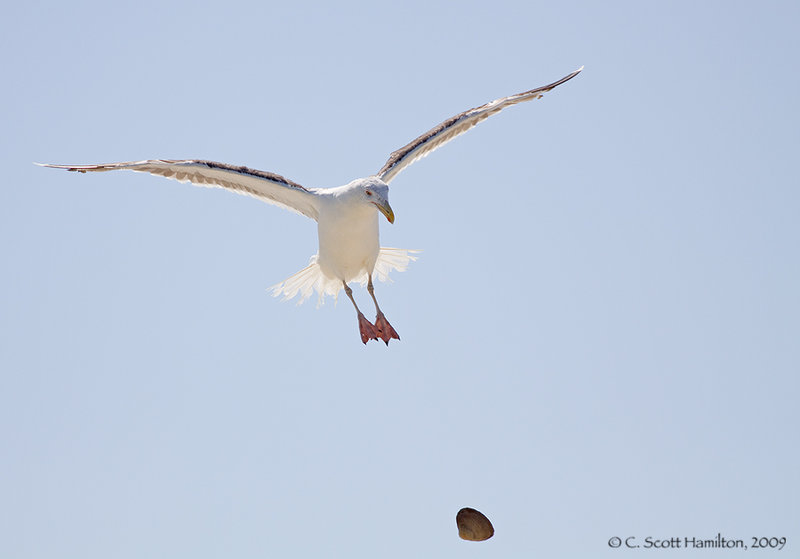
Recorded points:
(53, 166)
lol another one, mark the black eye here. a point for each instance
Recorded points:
(369, 193)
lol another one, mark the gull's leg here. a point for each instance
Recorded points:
(385, 330)
(365, 327)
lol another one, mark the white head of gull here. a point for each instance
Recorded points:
(346, 216)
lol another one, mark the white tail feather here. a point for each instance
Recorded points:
(311, 278)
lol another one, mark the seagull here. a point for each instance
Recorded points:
(347, 216)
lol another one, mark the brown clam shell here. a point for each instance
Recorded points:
(473, 525)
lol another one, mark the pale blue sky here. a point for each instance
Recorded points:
(600, 338)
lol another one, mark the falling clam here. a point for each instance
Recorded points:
(473, 525)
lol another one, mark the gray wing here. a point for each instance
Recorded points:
(268, 187)
(455, 126)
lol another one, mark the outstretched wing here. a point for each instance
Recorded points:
(268, 187)
(455, 126)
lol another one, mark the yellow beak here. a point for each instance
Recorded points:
(386, 210)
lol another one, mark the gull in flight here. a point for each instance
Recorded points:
(346, 216)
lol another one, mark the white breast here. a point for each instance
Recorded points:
(348, 239)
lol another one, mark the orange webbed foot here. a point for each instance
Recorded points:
(384, 329)
(367, 330)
